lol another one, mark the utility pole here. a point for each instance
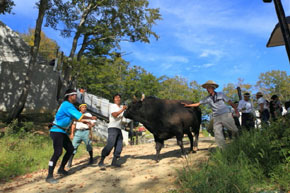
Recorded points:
(283, 24)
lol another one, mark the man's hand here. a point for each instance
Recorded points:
(94, 118)
(124, 107)
(71, 136)
(185, 105)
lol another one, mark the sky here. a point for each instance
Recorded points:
(200, 40)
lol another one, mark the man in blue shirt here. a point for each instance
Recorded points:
(222, 116)
(62, 121)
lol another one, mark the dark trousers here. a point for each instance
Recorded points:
(265, 116)
(61, 140)
(115, 139)
(248, 121)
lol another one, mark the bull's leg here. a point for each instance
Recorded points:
(191, 140)
(180, 143)
(195, 144)
(158, 147)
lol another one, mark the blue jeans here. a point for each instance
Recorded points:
(115, 139)
(82, 135)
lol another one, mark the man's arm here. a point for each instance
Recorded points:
(116, 114)
(73, 126)
(234, 107)
(191, 105)
(261, 107)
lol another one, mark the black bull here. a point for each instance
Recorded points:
(166, 119)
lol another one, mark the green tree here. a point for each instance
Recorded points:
(103, 23)
(6, 6)
(47, 46)
(274, 82)
(231, 89)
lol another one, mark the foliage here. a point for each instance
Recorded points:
(274, 82)
(104, 22)
(231, 89)
(47, 47)
(24, 151)
(6, 6)
(115, 76)
(257, 160)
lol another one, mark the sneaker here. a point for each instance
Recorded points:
(62, 172)
(101, 163)
(51, 180)
(115, 163)
(91, 162)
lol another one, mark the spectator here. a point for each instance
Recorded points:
(246, 107)
(263, 108)
(275, 107)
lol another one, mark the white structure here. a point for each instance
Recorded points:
(101, 106)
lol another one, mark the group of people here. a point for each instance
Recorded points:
(81, 122)
(224, 118)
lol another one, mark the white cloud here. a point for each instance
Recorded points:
(207, 53)
(208, 65)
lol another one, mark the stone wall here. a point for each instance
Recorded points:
(14, 57)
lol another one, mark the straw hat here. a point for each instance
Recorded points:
(210, 83)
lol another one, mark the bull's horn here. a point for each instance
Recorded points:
(143, 97)
(134, 98)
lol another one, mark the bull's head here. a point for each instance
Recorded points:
(133, 110)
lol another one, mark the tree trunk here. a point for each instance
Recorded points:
(84, 45)
(67, 69)
(20, 104)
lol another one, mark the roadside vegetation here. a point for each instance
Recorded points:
(25, 149)
(258, 161)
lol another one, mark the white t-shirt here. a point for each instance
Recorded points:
(115, 122)
(260, 101)
(245, 106)
(82, 126)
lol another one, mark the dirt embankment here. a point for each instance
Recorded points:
(139, 172)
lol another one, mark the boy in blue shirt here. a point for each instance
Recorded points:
(62, 121)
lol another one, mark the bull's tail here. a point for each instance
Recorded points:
(198, 110)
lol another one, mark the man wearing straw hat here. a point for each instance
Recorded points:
(222, 116)
(82, 132)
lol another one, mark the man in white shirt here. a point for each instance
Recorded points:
(115, 137)
(82, 132)
(263, 108)
(246, 107)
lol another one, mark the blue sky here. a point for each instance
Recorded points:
(200, 40)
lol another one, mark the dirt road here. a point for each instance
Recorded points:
(139, 172)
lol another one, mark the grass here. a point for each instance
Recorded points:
(257, 161)
(23, 150)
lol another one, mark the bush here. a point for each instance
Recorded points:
(23, 151)
(257, 160)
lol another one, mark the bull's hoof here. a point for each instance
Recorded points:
(184, 156)
(195, 149)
